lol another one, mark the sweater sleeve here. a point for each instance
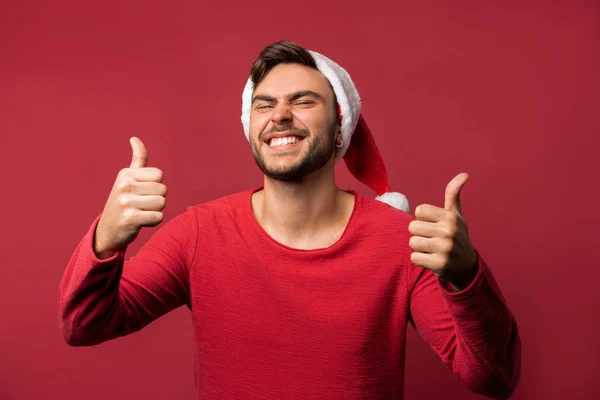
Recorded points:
(99, 300)
(472, 330)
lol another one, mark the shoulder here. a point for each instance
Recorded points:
(226, 207)
(214, 217)
(382, 229)
(378, 222)
(382, 215)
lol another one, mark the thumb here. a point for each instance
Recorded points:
(140, 155)
(452, 201)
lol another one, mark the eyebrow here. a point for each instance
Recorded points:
(290, 97)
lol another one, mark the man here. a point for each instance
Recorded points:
(297, 289)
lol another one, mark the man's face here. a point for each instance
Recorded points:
(293, 123)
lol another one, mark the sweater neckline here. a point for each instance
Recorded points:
(260, 231)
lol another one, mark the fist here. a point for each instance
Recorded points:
(136, 200)
(440, 238)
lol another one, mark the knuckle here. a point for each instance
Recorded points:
(452, 217)
(447, 246)
(418, 210)
(448, 230)
(452, 231)
(413, 258)
(159, 174)
(128, 217)
(124, 201)
(411, 241)
(125, 185)
(415, 227)
(444, 232)
(157, 219)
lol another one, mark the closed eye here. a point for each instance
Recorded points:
(304, 102)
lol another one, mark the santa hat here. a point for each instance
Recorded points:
(359, 149)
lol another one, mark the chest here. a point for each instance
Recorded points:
(298, 304)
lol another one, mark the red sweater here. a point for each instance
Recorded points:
(273, 322)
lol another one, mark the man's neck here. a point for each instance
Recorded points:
(308, 214)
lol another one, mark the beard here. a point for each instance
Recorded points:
(320, 150)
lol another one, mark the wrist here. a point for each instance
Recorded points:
(462, 281)
(101, 251)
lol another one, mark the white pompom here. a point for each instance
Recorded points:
(396, 200)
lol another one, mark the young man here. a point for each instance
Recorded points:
(297, 289)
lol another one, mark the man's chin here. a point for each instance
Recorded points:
(289, 174)
(281, 167)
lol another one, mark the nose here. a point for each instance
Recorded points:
(281, 114)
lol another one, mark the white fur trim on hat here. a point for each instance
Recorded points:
(247, 106)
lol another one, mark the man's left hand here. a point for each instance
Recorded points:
(440, 238)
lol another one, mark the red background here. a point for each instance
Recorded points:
(507, 91)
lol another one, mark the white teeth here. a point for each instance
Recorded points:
(283, 141)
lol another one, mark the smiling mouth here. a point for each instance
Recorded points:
(278, 142)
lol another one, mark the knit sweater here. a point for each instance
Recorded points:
(274, 322)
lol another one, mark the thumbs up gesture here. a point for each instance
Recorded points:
(136, 200)
(440, 238)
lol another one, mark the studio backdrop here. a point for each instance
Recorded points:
(506, 91)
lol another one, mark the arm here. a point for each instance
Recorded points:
(101, 299)
(471, 330)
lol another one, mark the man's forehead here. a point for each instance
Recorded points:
(284, 79)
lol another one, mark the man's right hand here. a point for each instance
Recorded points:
(136, 200)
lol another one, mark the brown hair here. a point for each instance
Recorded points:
(282, 52)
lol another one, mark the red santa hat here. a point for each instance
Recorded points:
(358, 150)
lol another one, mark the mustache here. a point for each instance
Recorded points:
(285, 128)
